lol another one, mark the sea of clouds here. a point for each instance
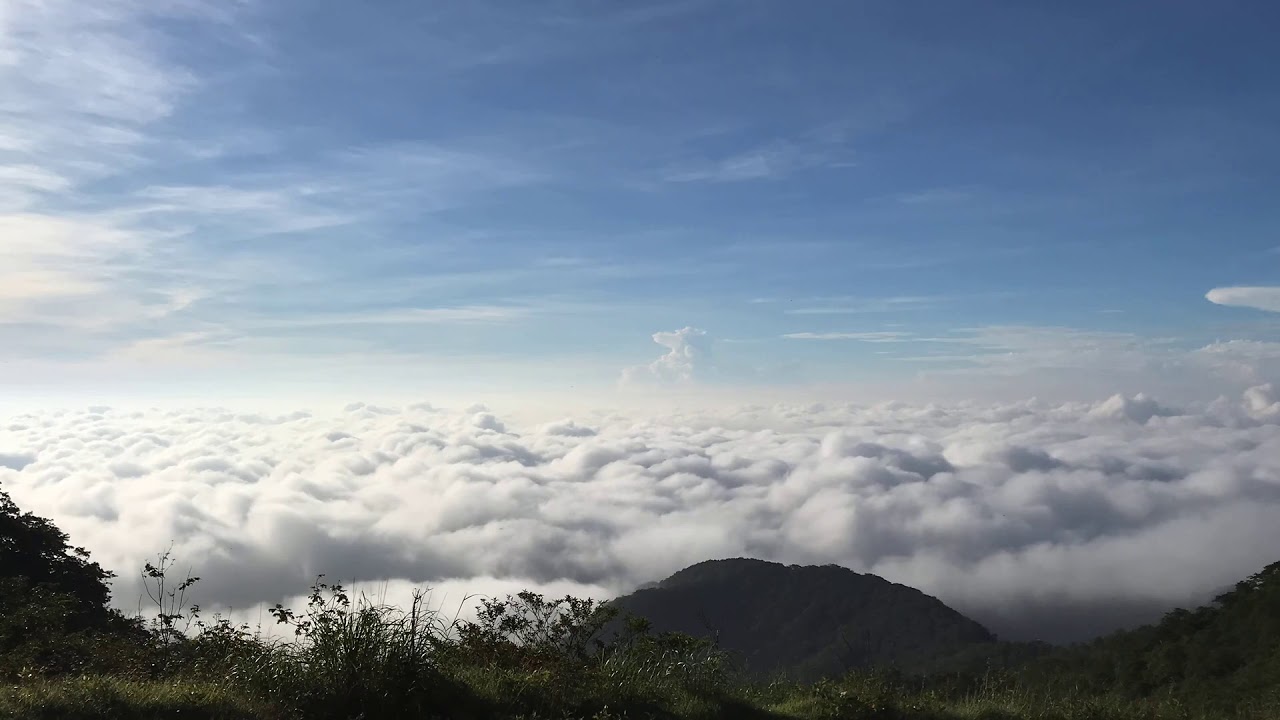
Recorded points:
(1039, 520)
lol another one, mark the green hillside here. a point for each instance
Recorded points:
(1226, 650)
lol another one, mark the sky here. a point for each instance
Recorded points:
(286, 199)
(982, 297)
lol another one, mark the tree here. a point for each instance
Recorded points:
(54, 616)
(34, 553)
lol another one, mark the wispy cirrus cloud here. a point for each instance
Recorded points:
(86, 93)
(98, 256)
(84, 88)
(362, 186)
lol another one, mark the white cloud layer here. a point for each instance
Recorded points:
(1042, 520)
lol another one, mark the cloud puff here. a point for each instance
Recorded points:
(1041, 520)
(1262, 402)
(688, 352)
(1259, 298)
(1138, 408)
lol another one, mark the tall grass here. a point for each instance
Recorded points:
(349, 658)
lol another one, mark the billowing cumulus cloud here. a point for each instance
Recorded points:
(686, 359)
(1041, 520)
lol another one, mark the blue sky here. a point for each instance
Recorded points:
(246, 197)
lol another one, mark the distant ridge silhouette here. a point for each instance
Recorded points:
(805, 621)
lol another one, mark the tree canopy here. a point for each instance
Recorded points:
(35, 554)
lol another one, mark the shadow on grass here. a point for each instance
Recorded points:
(93, 698)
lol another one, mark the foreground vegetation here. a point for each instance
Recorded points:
(64, 654)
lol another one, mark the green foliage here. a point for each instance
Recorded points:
(528, 627)
(41, 633)
(1214, 656)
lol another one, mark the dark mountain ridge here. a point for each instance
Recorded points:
(808, 622)
(804, 621)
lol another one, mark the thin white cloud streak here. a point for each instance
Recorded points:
(856, 306)
(1016, 348)
(772, 161)
(1027, 515)
(871, 337)
(461, 314)
(1265, 298)
(1093, 361)
(937, 196)
(1017, 361)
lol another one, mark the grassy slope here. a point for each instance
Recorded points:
(854, 698)
(107, 697)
